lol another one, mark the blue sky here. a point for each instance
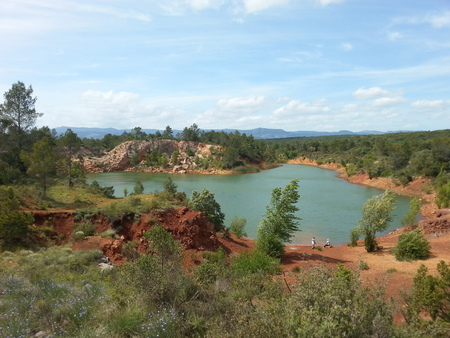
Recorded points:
(323, 65)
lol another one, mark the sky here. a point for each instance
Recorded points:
(322, 65)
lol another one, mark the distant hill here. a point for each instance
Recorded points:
(258, 133)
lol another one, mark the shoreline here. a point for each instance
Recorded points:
(415, 188)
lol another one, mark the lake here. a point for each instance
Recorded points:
(329, 206)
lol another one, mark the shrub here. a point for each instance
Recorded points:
(354, 236)
(78, 236)
(88, 228)
(412, 246)
(206, 203)
(443, 200)
(108, 233)
(363, 265)
(414, 208)
(238, 225)
(255, 261)
(270, 244)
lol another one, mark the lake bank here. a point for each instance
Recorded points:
(412, 189)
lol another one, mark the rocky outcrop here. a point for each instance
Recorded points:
(133, 155)
(191, 228)
(438, 224)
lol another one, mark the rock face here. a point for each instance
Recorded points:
(438, 224)
(132, 155)
(191, 228)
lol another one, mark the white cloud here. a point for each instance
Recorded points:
(439, 20)
(373, 92)
(431, 104)
(394, 36)
(108, 100)
(243, 105)
(329, 2)
(235, 111)
(254, 6)
(124, 110)
(295, 107)
(204, 4)
(347, 46)
(388, 101)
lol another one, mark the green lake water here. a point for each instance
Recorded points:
(329, 206)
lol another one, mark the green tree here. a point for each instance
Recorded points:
(376, 217)
(70, 143)
(18, 109)
(138, 188)
(430, 295)
(168, 132)
(280, 221)
(443, 196)
(41, 162)
(206, 203)
(174, 157)
(237, 226)
(414, 208)
(412, 246)
(13, 222)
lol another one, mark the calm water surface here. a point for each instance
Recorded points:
(329, 206)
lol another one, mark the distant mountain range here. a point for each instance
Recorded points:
(258, 133)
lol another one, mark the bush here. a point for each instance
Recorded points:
(412, 246)
(88, 228)
(237, 226)
(255, 261)
(354, 236)
(270, 244)
(411, 216)
(78, 236)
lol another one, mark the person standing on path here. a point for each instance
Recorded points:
(313, 243)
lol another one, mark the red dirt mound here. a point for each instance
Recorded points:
(191, 228)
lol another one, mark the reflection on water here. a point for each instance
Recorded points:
(329, 206)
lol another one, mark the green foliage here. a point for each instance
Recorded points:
(157, 277)
(18, 108)
(95, 188)
(254, 262)
(13, 222)
(238, 225)
(362, 265)
(414, 208)
(269, 243)
(412, 246)
(376, 217)
(14, 228)
(138, 188)
(280, 221)
(87, 227)
(156, 159)
(69, 144)
(354, 236)
(443, 196)
(213, 266)
(41, 162)
(430, 295)
(206, 203)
